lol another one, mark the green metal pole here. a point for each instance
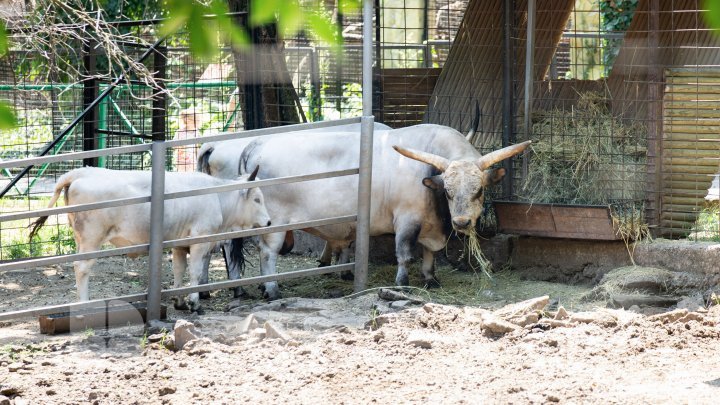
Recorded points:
(102, 124)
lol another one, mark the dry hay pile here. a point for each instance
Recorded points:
(588, 156)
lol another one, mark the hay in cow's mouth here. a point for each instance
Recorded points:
(472, 254)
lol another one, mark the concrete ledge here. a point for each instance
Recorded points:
(677, 255)
(560, 260)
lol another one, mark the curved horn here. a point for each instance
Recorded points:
(475, 123)
(493, 157)
(436, 161)
(254, 173)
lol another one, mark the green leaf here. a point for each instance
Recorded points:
(263, 11)
(711, 13)
(7, 117)
(323, 30)
(202, 33)
(349, 6)
(179, 12)
(228, 27)
(290, 18)
(3, 39)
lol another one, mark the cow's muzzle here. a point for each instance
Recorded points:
(461, 223)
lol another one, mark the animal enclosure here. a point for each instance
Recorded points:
(621, 105)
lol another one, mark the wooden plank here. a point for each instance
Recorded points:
(547, 220)
(106, 317)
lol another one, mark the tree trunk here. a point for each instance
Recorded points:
(268, 97)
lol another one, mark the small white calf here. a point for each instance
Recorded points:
(130, 225)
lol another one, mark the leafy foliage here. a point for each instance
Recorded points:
(616, 17)
(7, 116)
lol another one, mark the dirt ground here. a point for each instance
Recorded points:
(459, 344)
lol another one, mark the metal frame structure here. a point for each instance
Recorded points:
(158, 148)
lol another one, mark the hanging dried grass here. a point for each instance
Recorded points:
(588, 156)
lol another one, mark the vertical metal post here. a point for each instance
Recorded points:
(362, 241)
(655, 146)
(157, 190)
(90, 93)
(102, 124)
(508, 102)
(529, 79)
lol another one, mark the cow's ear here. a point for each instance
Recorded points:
(434, 183)
(495, 175)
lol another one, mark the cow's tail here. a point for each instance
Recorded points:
(203, 162)
(62, 184)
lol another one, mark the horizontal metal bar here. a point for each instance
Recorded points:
(261, 132)
(74, 156)
(260, 183)
(76, 306)
(47, 261)
(142, 248)
(259, 231)
(169, 196)
(74, 208)
(257, 280)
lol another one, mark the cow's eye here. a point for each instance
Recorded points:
(479, 193)
(257, 200)
(447, 195)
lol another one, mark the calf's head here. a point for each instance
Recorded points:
(464, 181)
(252, 212)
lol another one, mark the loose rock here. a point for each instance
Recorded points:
(248, 324)
(273, 331)
(184, 332)
(601, 318)
(166, 391)
(495, 325)
(669, 317)
(4, 400)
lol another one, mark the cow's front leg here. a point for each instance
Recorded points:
(198, 255)
(270, 245)
(428, 269)
(406, 236)
(205, 277)
(179, 264)
(82, 278)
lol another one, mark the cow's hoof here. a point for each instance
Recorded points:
(199, 310)
(347, 275)
(402, 281)
(181, 305)
(322, 263)
(204, 295)
(239, 292)
(432, 283)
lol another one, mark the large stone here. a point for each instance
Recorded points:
(626, 301)
(495, 325)
(669, 317)
(184, 332)
(4, 400)
(520, 309)
(692, 303)
(637, 278)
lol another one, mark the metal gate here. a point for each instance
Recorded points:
(158, 196)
